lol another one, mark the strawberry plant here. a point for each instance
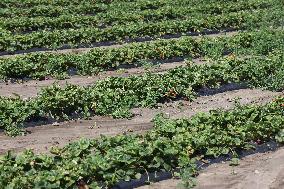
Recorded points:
(58, 38)
(170, 146)
(121, 16)
(39, 65)
(116, 95)
(254, 58)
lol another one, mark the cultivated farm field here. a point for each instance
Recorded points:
(142, 94)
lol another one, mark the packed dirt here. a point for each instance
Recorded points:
(257, 171)
(112, 44)
(30, 88)
(44, 135)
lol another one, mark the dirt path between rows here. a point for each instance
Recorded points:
(112, 44)
(44, 135)
(257, 171)
(32, 87)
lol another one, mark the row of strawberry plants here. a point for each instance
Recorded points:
(58, 38)
(53, 11)
(112, 17)
(32, 3)
(83, 8)
(170, 146)
(40, 65)
(116, 96)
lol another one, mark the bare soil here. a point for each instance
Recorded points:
(111, 44)
(257, 171)
(30, 88)
(44, 135)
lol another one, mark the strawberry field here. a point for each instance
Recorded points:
(102, 92)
